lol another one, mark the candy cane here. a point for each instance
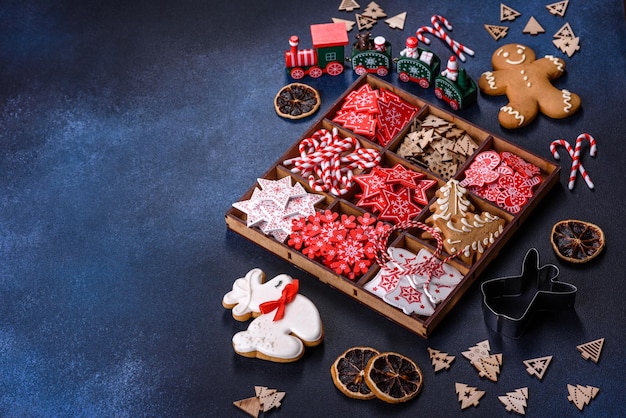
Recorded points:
(328, 160)
(458, 48)
(575, 155)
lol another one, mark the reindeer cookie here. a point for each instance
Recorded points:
(285, 321)
(527, 84)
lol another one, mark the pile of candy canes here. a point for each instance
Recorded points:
(328, 161)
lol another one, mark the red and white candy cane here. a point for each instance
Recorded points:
(328, 160)
(575, 155)
(437, 30)
(432, 267)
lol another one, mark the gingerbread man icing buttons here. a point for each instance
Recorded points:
(527, 83)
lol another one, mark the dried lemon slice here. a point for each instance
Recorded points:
(296, 101)
(393, 377)
(348, 372)
(577, 241)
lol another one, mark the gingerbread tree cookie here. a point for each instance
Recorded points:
(464, 232)
(527, 83)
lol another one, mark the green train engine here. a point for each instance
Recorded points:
(371, 56)
(455, 87)
(326, 56)
(418, 65)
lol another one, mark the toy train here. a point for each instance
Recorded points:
(418, 65)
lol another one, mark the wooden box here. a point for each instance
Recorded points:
(421, 325)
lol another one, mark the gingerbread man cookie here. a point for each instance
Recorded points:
(527, 84)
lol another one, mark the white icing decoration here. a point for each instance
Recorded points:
(567, 97)
(556, 61)
(461, 204)
(491, 80)
(512, 112)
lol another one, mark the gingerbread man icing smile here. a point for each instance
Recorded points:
(527, 84)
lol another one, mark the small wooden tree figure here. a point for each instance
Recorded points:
(515, 401)
(468, 396)
(581, 395)
(348, 5)
(439, 359)
(591, 350)
(374, 11)
(558, 8)
(537, 366)
(264, 400)
(489, 367)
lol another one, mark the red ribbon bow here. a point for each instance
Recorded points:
(289, 293)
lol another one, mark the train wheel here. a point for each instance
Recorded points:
(454, 104)
(404, 77)
(316, 72)
(424, 83)
(382, 71)
(334, 68)
(360, 70)
(297, 73)
(439, 93)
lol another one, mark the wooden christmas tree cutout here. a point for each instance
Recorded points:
(515, 401)
(496, 32)
(397, 21)
(533, 27)
(558, 8)
(468, 395)
(270, 398)
(565, 32)
(508, 13)
(439, 359)
(480, 350)
(487, 364)
(349, 23)
(538, 366)
(489, 367)
(264, 400)
(591, 350)
(348, 5)
(364, 22)
(567, 45)
(252, 406)
(581, 395)
(374, 11)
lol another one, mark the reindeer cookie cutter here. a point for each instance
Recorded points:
(510, 303)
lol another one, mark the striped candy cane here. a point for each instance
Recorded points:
(575, 155)
(458, 48)
(327, 160)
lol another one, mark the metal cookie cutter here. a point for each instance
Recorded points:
(509, 303)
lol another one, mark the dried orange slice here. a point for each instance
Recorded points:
(393, 377)
(296, 101)
(577, 241)
(348, 372)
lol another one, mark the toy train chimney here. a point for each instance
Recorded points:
(293, 43)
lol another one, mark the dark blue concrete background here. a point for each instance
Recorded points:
(127, 129)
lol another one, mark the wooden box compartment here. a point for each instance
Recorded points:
(410, 239)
